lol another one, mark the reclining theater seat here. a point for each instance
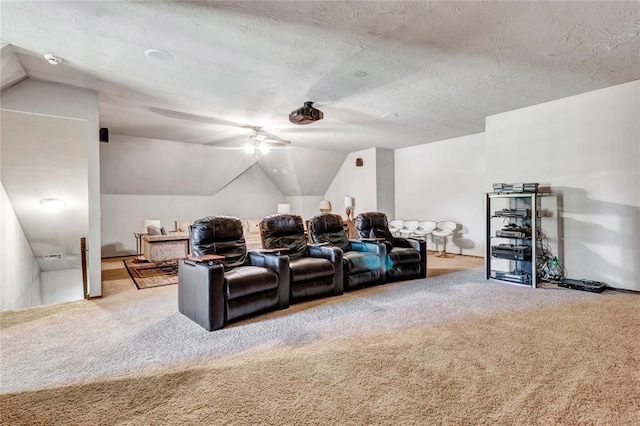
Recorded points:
(314, 271)
(214, 293)
(362, 262)
(406, 257)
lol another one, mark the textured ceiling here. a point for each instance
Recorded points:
(386, 74)
(442, 67)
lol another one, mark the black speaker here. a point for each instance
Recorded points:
(104, 134)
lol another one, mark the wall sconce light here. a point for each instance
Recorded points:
(359, 162)
(284, 208)
(325, 206)
(52, 204)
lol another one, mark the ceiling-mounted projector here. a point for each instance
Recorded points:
(305, 115)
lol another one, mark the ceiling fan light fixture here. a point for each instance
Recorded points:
(249, 148)
(263, 147)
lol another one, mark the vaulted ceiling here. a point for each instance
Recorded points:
(385, 74)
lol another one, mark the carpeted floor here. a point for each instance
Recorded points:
(451, 349)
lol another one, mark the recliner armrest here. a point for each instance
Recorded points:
(327, 252)
(369, 246)
(201, 293)
(280, 265)
(334, 255)
(418, 245)
(405, 242)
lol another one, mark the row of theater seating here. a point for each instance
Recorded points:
(223, 282)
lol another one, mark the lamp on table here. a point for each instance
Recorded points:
(349, 204)
(324, 206)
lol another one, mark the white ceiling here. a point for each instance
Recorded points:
(386, 74)
(442, 67)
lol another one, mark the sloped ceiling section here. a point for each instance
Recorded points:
(12, 71)
(302, 171)
(130, 165)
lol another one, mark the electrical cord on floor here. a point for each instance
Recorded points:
(548, 267)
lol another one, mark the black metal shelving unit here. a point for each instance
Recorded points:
(511, 229)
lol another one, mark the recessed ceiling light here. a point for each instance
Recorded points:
(52, 59)
(360, 73)
(52, 204)
(390, 116)
(158, 55)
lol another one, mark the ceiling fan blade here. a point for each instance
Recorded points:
(262, 135)
(198, 118)
(231, 141)
(277, 141)
(259, 135)
(271, 138)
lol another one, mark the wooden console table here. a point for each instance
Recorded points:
(350, 229)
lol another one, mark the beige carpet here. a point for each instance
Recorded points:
(537, 357)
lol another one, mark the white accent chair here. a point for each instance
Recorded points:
(408, 228)
(395, 226)
(425, 228)
(443, 230)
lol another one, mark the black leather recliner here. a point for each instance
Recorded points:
(314, 271)
(406, 257)
(214, 293)
(362, 262)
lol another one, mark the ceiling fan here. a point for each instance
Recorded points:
(261, 140)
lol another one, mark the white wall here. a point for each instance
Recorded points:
(445, 180)
(250, 195)
(19, 270)
(358, 182)
(587, 149)
(134, 165)
(307, 205)
(67, 101)
(385, 182)
(61, 286)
